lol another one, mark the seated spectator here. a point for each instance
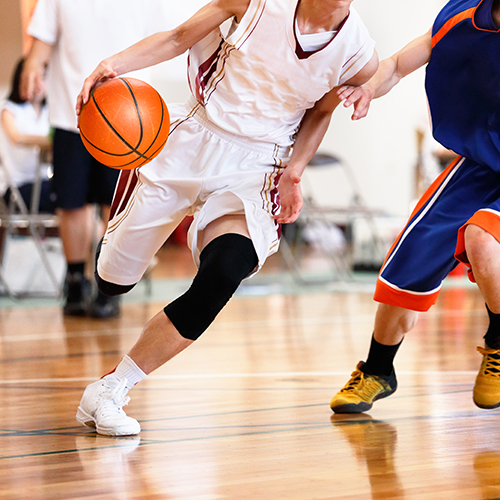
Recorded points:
(24, 137)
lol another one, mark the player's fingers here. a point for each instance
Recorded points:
(361, 109)
(344, 93)
(281, 219)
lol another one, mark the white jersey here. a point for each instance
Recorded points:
(252, 82)
(83, 32)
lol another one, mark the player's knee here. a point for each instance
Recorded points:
(224, 263)
(482, 248)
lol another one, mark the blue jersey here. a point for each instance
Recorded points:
(463, 81)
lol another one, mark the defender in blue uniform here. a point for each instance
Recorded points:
(458, 218)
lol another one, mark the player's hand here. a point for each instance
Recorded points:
(360, 97)
(102, 73)
(290, 197)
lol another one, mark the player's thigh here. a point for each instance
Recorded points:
(142, 219)
(234, 224)
(424, 253)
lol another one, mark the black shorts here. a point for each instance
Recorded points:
(79, 179)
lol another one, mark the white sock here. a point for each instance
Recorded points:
(129, 370)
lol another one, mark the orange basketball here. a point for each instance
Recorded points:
(125, 123)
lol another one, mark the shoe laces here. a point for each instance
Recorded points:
(491, 361)
(114, 399)
(359, 381)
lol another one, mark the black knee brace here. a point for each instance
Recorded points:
(224, 263)
(106, 287)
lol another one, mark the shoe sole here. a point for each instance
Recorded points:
(360, 407)
(487, 407)
(88, 420)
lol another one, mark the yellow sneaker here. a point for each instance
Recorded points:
(487, 387)
(362, 390)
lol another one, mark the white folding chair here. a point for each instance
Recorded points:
(332, 204)
(16, 219)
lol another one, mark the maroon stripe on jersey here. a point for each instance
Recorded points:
(274, 198)
(130, 190)
(205, 71)
(121, 198)
(120, 189)
(274, 195)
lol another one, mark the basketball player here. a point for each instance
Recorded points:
(459, 215)
(267, 84)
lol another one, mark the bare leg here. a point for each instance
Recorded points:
(160, 340)
(392, 323)
(483, 252)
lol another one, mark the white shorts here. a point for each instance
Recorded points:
(202, 171)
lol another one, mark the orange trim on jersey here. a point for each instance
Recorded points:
(477, 27)
(393, 297)
(423, 200)
(485, 219)
(448, 25)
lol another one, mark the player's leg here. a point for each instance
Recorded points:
(140, 222)
(70, 184)
(227, 258)
(233, 231)
(376, 378)
(483, 253)
(412, 275)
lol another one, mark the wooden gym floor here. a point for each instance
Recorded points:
(244, 413)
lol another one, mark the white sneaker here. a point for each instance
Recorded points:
(101, 407)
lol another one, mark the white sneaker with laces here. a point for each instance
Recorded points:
(101, 407)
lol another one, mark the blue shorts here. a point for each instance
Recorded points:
(432, 242)
(79, 179)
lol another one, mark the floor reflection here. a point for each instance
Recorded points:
(487, 469)
(373, 442)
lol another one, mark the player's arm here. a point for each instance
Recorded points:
(390, 72)
(34, 68)
(313, 128)
(165, 45)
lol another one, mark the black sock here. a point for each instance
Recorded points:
(380, 358)
(76, 267)
(492, 337)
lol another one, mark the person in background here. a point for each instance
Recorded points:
(69, 38)
(24, 141)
